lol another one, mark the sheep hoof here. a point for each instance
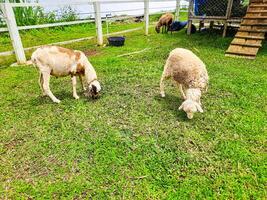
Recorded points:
(57, 101)
(76, 97)
(162, 95)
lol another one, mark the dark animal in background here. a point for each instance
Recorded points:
(139, 19)
(165, 21)
(177, 26)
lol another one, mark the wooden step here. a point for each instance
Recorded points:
(241, 50)
(257, 1)
(250, 37)
(246, 41)
(255, 17)
(246, 45)
(258, 5)
(254, 24)
(242, 53)
(240, 56)
(252, 31)
(256, 11)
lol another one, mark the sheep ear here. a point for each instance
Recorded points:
(199, 108)
(94, 89)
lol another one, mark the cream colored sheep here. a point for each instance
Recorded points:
(60, 62)
(190, 75)
(165, 21)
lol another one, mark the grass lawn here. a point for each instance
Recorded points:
(130, 143)
(43, 36)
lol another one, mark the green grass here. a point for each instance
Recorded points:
(130, 143)
(36, 37)
(43, 36)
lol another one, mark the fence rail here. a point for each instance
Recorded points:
(13, 29)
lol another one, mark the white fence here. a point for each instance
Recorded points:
(13, 29)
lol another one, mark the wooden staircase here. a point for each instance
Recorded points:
(251, 33)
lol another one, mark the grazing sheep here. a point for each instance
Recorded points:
(60, 62)
(190, 75)
(165, 21)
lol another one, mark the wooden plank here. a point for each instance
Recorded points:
(250, 37)
(257, 11)
(240, 56)
(239, 50)
(252, 31)
(247, 41)
(246, 44)
(255, 17)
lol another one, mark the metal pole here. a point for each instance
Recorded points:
(177, 12)
(146, 16)
(13, 32)
(98, 23)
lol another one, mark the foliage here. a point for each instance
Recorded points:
(68, 14)
(37, 15)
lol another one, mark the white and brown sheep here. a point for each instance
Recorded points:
(165, 21)
(190, 75)
(60, 62)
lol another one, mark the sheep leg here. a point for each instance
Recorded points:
(46, 79)
(182, 91)
(74, 83)
(81, 80)
(163, 78)
(41, 82)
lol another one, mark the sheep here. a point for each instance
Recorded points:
(165, 21)
(191, 77)
(58, 61)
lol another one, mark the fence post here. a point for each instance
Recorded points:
(177, 12)
(227, 15)
(14, 32)
(98, 23)
(190, 21)
(146, 16)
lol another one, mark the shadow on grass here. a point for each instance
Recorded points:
(62, 95)
(172, 103)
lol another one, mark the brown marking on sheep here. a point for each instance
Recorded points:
(80, 69)
(69, 52)
(77, 56)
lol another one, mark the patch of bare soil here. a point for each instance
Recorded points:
(91, 52)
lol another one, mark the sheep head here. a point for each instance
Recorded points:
(93, 89)
(157, 28)
(191, 107)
